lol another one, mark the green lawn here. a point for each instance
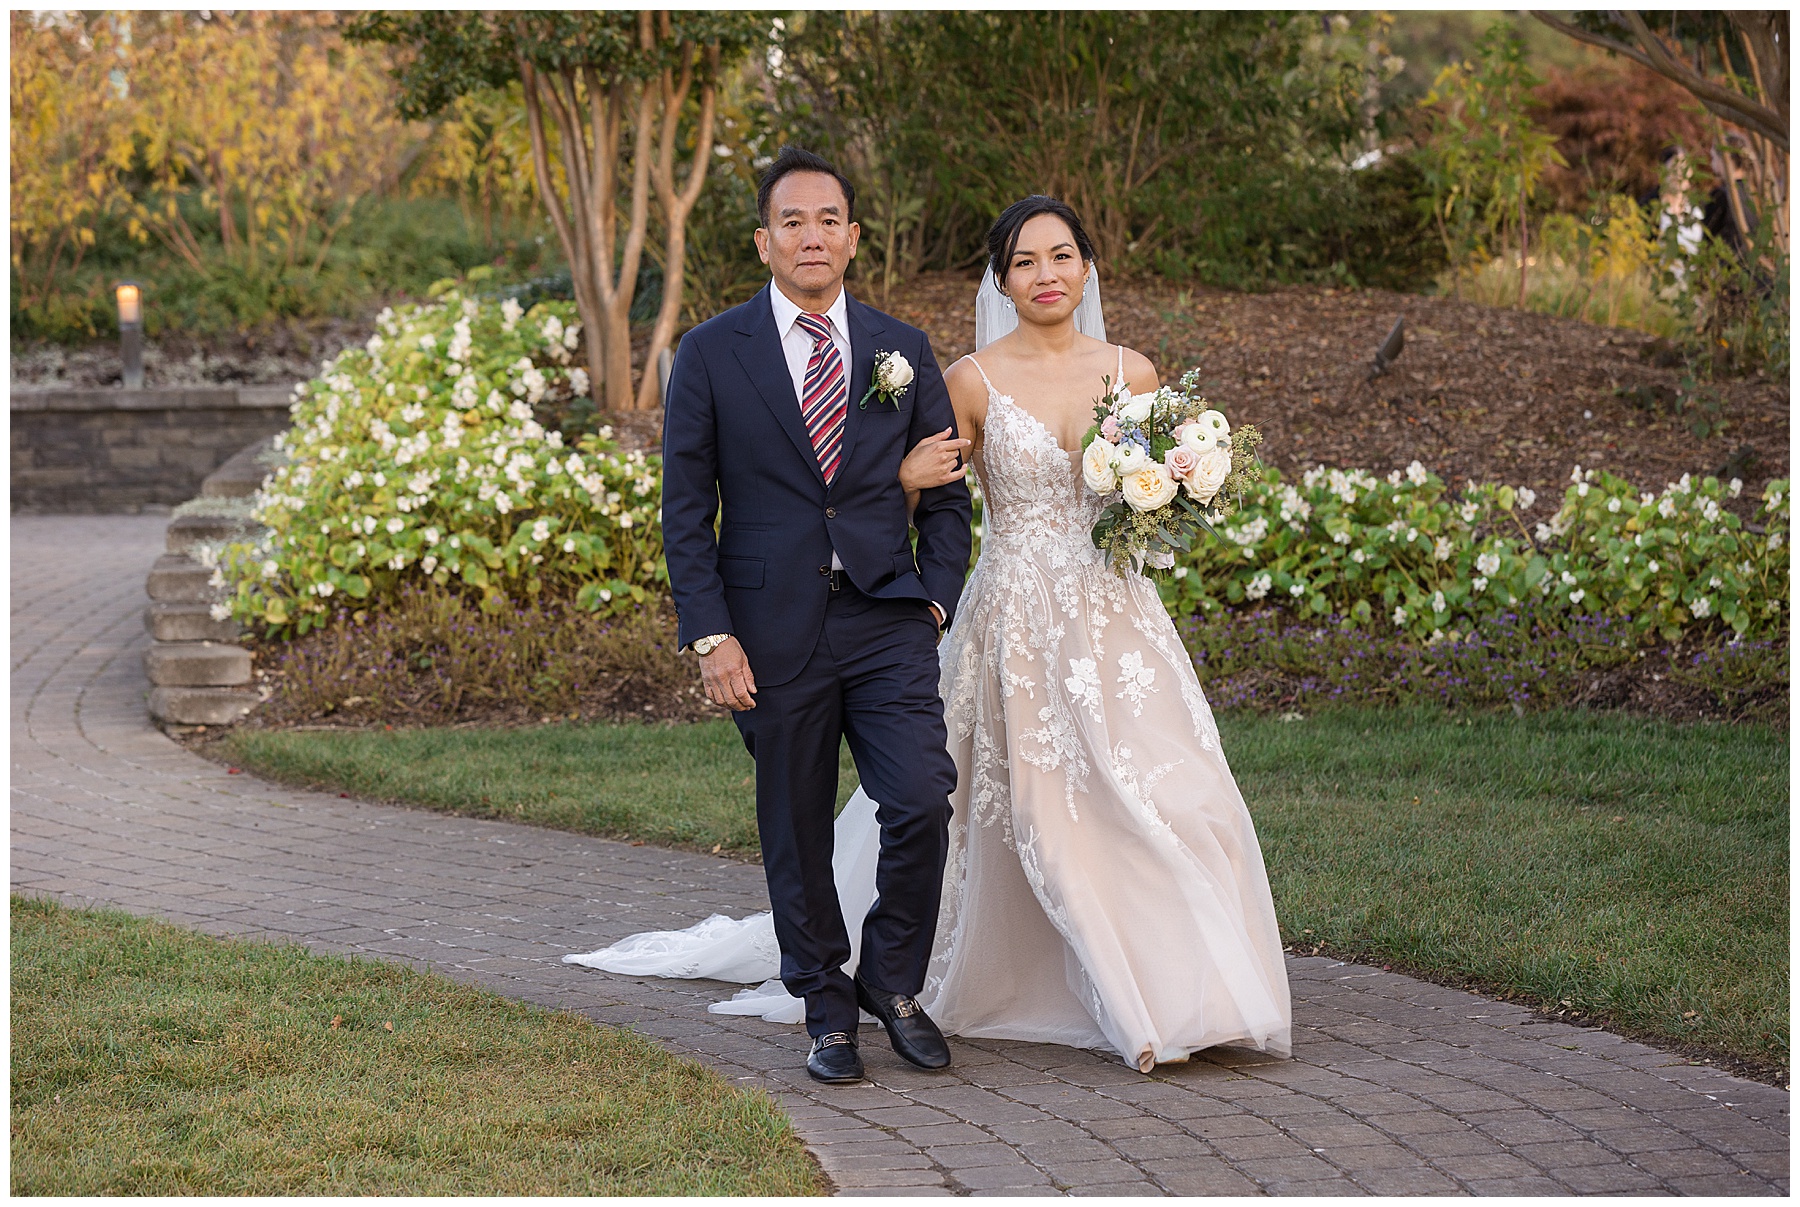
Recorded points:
(149, 1060)
(1625, 868)
(673, 785)
(1628, 869)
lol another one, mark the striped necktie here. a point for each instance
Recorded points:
(825, 398)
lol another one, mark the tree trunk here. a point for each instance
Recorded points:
(570, 235)
(603, 269)
(677, 206)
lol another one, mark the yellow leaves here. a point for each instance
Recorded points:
(271, 111)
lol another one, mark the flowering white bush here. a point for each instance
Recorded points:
(417, 457)
(1404, 550)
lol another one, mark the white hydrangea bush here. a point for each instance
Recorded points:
(1403, 552)
(418, 458)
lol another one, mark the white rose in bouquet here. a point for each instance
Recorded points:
(1097, 466)
(1148, 488)
(1209, 431)
(1209, 474)
(1134, 408)
(1131, 458)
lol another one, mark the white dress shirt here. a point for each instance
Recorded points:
(797, 346)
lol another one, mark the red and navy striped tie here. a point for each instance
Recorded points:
(825, 399)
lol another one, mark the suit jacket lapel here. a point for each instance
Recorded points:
(865, 325)
(761, 355)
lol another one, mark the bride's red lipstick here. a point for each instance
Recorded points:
(1048, 296)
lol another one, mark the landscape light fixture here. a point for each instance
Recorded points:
(131, 333)
(1389, 352)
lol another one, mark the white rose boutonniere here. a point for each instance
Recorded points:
(892, 374)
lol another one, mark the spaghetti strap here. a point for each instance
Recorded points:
(971, 359)
(1120, 379)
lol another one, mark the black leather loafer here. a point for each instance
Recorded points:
(834, 1059)
(914, 1036)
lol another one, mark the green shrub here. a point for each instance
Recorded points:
(1604, 268)
(1211, 145)
(418, 456)
(1403, 553)
(389, 248)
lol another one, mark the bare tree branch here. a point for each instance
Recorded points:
(1649, 51)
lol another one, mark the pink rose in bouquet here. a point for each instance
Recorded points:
(1181, 462)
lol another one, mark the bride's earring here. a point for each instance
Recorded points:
(1008, 298)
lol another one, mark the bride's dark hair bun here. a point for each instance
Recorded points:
(1003, 236)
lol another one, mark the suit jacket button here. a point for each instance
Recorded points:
(831, 513)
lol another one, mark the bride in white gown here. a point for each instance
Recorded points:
(1104, 887)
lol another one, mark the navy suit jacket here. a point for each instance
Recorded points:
(735, 448)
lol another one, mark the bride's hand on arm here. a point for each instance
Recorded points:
(934, 461)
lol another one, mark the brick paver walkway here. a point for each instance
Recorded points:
(1396, 1086)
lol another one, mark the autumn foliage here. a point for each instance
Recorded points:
(262, 128)
(1614, 121)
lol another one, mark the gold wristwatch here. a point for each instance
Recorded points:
(706, 645)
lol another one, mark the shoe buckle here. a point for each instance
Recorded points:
(906, 1007)
(832, 1040)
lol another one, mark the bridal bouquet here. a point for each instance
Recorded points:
(1158, 459)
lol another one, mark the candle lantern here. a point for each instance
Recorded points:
(131, 333)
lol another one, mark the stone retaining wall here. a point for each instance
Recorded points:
(126, 450)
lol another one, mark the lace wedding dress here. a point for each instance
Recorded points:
(1104, 887)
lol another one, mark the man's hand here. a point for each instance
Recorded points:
(934, 461)
(936, 615)
(726, 675)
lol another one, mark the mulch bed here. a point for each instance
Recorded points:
(1478, 394)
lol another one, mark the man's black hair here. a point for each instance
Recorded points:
(798, 159)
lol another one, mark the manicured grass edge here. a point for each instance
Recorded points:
(1767, 1072)
(213, 745)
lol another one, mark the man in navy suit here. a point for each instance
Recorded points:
(814, 618)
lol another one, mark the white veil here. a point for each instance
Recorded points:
(994, 317)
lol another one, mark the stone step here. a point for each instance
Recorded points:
(201, 705)
(241, 476)
(187, 622)
(178, 578)
(187, 531)
(197, 664)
